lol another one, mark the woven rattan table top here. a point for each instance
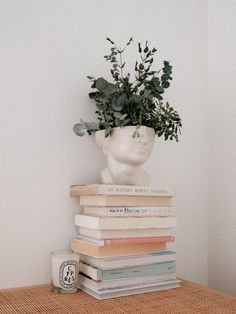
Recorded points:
(189, 299)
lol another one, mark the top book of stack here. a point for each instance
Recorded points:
(126, 190)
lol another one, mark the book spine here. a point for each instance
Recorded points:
(130, 211)
(125, 201)
(134, 190)
(139, 240)
(124, 222)
(120, 190)
(126, 233)
(153, 269)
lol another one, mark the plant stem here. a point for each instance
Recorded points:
(121, 70)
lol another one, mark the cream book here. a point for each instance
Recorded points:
(129, 261)
(125, 233)
(115, 250)
(124, 222)
(109, 189)
(123, 200)
(116, 211)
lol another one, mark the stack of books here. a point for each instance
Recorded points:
(122, 240)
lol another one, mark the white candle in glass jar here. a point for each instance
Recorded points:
(65, 268)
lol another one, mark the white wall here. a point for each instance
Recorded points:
(47, 49)
(222, 213)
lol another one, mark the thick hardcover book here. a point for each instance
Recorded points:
(124, 233)
(145, 270)
(124, 222)
(127, 240)
(123, 200)
(129, 211)
(129, 261)
(108, 189)
(115, 250)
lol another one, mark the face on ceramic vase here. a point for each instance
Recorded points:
(128, 149)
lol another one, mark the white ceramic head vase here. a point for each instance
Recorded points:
(126, 154)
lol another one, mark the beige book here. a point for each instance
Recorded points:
(90, 249)
(109, 189)
(116, 211)
(123, 200)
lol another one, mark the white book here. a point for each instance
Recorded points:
(130, 290)
(124, 282)
(125, 292)
(129, 261)
(125, 233)
(129, 211)
(125, 222)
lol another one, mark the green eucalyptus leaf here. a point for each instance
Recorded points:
(100, 83)
(117, 122)
(146, 93)
(78, 129)
(91, 126)
(115, 107)
(165, 84)
(164, 77)
(94, 84)
(112, 87)
(121, 100)
(92, 95)
(107, 130)
(123, 116)
(139, 48)
(135, 99)
(167, 69)
(112, 42)
(117, 115)
(141, 66)
(125, 122)
(160, 89)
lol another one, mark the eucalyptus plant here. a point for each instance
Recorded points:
(136, 102)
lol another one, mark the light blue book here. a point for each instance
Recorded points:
(144, 270)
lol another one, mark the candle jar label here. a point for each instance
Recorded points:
(68, 274)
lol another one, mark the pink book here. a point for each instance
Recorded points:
(139, 240)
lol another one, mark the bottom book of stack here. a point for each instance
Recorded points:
(118, 276)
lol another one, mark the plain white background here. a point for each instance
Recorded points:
(222, 210)
(47, 49)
